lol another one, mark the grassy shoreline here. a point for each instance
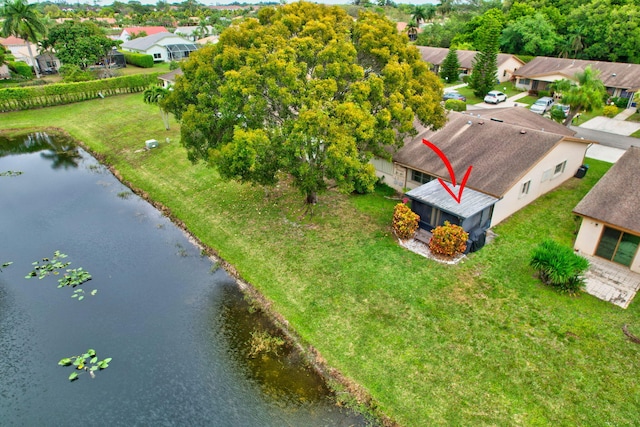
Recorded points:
(479, 343)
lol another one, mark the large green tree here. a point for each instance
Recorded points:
(22, 20)
(307, 91)
(530, 35)
(80, 43)
(586, 93)
(485, 63)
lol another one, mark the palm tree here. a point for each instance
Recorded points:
(419, 14)
(587, 95)
(21, 20)
(155, 95)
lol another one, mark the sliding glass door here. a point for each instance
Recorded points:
(618, 246)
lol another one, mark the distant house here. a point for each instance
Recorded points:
(507, 63)
(620, 79)
(516, 156)
(128, 33)
(610, 214)
(208, 40)
(47, 62)
(169, 79)
(192, 32)
(163, 46)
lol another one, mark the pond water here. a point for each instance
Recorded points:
(176, 327)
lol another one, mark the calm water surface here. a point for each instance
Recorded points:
(176, 327)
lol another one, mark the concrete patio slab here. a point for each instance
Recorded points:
(611, 282)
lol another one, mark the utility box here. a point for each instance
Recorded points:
(151, 143)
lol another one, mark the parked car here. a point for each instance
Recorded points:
(454, 95)
(542, 105)
(495, 97)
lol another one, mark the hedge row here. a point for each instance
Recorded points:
(25, 98)
(138, 59)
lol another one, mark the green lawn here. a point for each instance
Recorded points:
(478, 343)
(472, 99)
(635, 117)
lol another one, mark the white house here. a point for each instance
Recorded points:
(163, 46)
(515, 156)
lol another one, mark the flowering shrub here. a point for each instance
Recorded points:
(610, 111)
(405, 221)
(448, 240)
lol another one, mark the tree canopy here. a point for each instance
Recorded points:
(306, 90)
(79, 43)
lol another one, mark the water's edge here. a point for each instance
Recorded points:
(360, 400)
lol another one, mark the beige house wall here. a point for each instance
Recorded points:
(541, 178)
(588, 236)
(506, 69)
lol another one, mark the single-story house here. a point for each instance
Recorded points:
(507, 63)
(208, 40)
(610, 214)
(47, 62)
(169, 79)
(193, 32)
(515, 156)
(620, 79)
(129, 32)
(163, 46)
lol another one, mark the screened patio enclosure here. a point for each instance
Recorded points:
(180, 51)
(435, 205)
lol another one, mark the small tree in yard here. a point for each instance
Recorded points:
(405, 221)
(559, 266)
(448, 240)
(450, 66)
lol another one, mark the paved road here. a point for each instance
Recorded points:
(605, 138)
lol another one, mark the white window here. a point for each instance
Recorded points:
(524, 189)
(157, 56)
(559, 168)
(546, 175)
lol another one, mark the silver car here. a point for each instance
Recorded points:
(542, 105)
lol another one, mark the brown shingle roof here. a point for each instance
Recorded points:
(500, 152)
(612, 74)
(614, 199)
(436, 55)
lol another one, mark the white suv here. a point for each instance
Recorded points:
(542, 105)
(495, 97)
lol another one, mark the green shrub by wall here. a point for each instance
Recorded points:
(25, 98)
(21, 68)
(138, 59)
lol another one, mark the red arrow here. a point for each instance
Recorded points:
(447, 163)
